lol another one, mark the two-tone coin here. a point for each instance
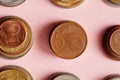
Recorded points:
(15, 37)
(68, 40)
(67, 3)
(14, 73)
(111, 42)
(112, 77)
(113, 3)
(64, 76)
(11, 3)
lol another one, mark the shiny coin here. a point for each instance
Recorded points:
(68, 40)
(111, 42)
(11, 3)
(14, 73)
(15, 37)
(68, 3)
(65, 76)
(114, 3)
(113, 77)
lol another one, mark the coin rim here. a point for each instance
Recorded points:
(112, 4)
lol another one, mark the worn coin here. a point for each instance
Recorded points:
(14, 73)
(11, 3)
(15, 37)
(67, 3)
(64, 76)
(112, 77)
(114, 3)
(68, 40)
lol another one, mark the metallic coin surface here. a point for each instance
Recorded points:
(11, 3)
(15, 37)
(14, 73)
(112, 77)
(67, 3)
(65, 76)
(68, 40)
(113, 3)
(111, 42)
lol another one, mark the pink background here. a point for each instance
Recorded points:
(94, 16)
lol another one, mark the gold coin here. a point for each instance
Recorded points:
(113, 3)
(15, 37)
(116, 1)
(68, 3)
(68, 40)
(14, 73)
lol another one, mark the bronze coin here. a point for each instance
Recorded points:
(113, 3)
(67, 3)
(112, 77)
(64, 76)
(11, 3)
(15, 37)
(14, 73)
(68, 40)
(111, 42)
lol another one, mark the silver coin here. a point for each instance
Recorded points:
(65, 76)
(113, 3)
(11, 3)
(112, 77)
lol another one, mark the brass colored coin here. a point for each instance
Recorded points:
(15, 37)
(14, 73)
(65, 76)
(11, 3)
(113, 3)
(112, 77)
(68, 3)
(68, 40)
(111, 42)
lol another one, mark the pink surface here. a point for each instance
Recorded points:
(94, 16)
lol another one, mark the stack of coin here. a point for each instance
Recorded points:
(68, 3)
(64, 76)
(114, 3)
(15, 37)
(11, 3)
(14, 73)
(68, 40)
(111, 42)
(112, 77)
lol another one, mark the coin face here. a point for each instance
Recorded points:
(68, 40)
(113, 3)
(11, 3)
(111, 42)
(68, 3)
(65, 76)
(14, 73)
(113, 77)
(15, 37)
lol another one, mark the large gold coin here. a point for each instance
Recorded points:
(14, 73)
(15, 37)
(68, 3)
(68, 40)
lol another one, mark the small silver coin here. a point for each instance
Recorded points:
(113, 3)
(11, 3)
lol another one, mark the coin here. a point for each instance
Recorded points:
(15, 37)
(64, 76)
(67, 3)
(68, 40)
(11, 3)
(112, 77)
(114, 3)
(111, 42)
(14, 73)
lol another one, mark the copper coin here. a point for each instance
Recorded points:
(15, 37)
(67, 3)
(111, 42)
(14, 73)
(112, 77)
(114, 3)
(64, 76)
(68, 40)
(11, 3)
